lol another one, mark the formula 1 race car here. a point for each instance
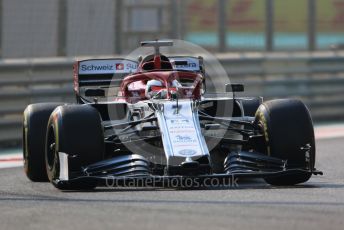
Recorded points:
(160, 125)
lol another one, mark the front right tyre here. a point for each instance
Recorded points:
(35, 120)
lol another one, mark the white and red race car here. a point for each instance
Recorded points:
(151, 121)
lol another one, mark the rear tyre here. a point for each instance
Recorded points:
(35, 122)
(250, 106)
(288, 129)
(77, 131)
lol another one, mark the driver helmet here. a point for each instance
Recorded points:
(150, 93)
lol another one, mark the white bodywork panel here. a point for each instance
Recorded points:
(180, 130)
(64, 175)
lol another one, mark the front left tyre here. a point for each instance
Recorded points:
(287, 128)
(75, 130)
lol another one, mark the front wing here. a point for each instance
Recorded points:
(134, 171)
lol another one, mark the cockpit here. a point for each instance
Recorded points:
(158, 78)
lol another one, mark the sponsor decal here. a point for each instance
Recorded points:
(185, 63)
(119, 66)
(109, 66)
(187, 152)
(179, 121)
(96, 67)
(131, 66)
(185, 138)
(182, 131)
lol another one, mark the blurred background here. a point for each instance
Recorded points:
(277, 48)
(48, 28)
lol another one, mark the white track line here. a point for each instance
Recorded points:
(11, 160)
(329, 131)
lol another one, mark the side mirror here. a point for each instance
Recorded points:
(94, 92)
(235, 88)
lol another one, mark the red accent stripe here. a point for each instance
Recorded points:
(11, 159)
(157, 88)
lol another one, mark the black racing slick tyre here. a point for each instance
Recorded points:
(250, 106)
(35, 120)
(288, 131)
(75, 130)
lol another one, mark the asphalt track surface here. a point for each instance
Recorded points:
(317, 204)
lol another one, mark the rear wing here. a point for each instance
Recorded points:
(97, 72)
(94, 72)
